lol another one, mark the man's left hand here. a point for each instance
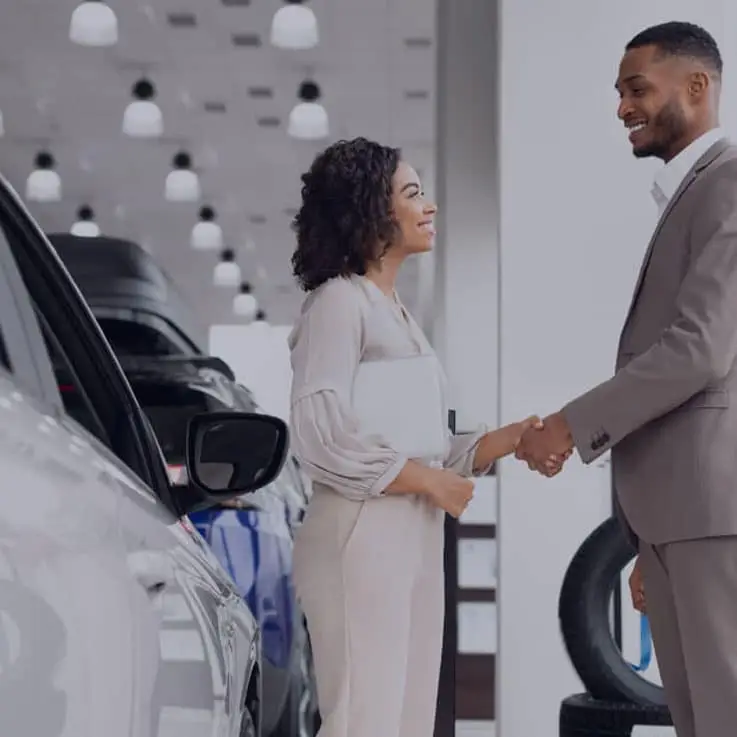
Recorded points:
(546, 449)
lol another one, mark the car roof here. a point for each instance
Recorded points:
(114, 272)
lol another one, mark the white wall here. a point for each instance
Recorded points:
(259, 356)
(576, 215)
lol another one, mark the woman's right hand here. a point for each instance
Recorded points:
(449, 491)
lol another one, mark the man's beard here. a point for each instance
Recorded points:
(669, 126)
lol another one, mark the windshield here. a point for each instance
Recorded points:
(137, 339)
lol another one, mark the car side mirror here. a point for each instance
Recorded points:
(233, 453)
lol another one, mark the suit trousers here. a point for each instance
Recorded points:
(691, 597)
(369, 576)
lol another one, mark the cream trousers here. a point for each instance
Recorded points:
(370, 579)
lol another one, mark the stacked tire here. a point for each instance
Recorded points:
(617, 697)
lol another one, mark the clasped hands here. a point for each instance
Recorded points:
(545, 445)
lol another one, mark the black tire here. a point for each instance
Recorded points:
(583, 716)
(583, 611)
(251, 723)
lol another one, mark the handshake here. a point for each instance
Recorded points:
(545, 445)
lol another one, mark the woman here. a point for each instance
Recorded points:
(368, 559)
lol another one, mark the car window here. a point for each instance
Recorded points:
(4, 360)
(77, 403)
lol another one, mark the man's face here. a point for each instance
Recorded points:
(655, 103)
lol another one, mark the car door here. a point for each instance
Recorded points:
(186, 629)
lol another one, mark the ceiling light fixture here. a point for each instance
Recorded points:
(227, 272)
(44, 184)
(294, 27)
(86, 227)
(182, 184)
(260, 322)
(244, 303)
(308, 119)
(142, 118)
(93, 23)
(207, 235)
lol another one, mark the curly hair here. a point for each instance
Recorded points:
(345, 221)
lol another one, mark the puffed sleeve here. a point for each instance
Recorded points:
(326, 348)
(462, 452)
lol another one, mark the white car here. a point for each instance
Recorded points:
(115, 619)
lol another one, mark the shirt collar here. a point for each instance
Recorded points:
(669, 178)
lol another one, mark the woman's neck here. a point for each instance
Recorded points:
(384, 273)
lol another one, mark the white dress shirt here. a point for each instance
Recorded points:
(669, 178)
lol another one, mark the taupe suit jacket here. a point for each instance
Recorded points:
(669, 414)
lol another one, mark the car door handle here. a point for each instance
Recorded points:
(153, 570)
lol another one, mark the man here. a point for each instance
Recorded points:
(669, 414)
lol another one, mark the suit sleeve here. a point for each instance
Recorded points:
(697, 350)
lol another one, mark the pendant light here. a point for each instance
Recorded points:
(227, 272)
(308, 119)
(244, 303)
(294, 27)
(93, 23)
(86, 227)
(182, 184)
(207, 235)
(142, 118)
(44, 184)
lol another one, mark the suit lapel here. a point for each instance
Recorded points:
(716, 150)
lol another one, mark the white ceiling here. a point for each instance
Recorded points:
(70, 100)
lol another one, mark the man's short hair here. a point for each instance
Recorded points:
(677, 38)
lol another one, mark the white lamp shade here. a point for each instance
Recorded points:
(207, 236)
(227, 274)
(245, 305)
(143, 119)
(182, 185)
(93, 24)
(43, 185)
(308, 121)
(85, 229)
(294, 27)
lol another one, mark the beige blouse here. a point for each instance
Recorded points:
(344, 322)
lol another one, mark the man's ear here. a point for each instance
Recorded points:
(698, 85)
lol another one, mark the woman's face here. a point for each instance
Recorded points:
(413, 213)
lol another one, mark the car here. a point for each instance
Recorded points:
(163, 357)
(115, 616)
